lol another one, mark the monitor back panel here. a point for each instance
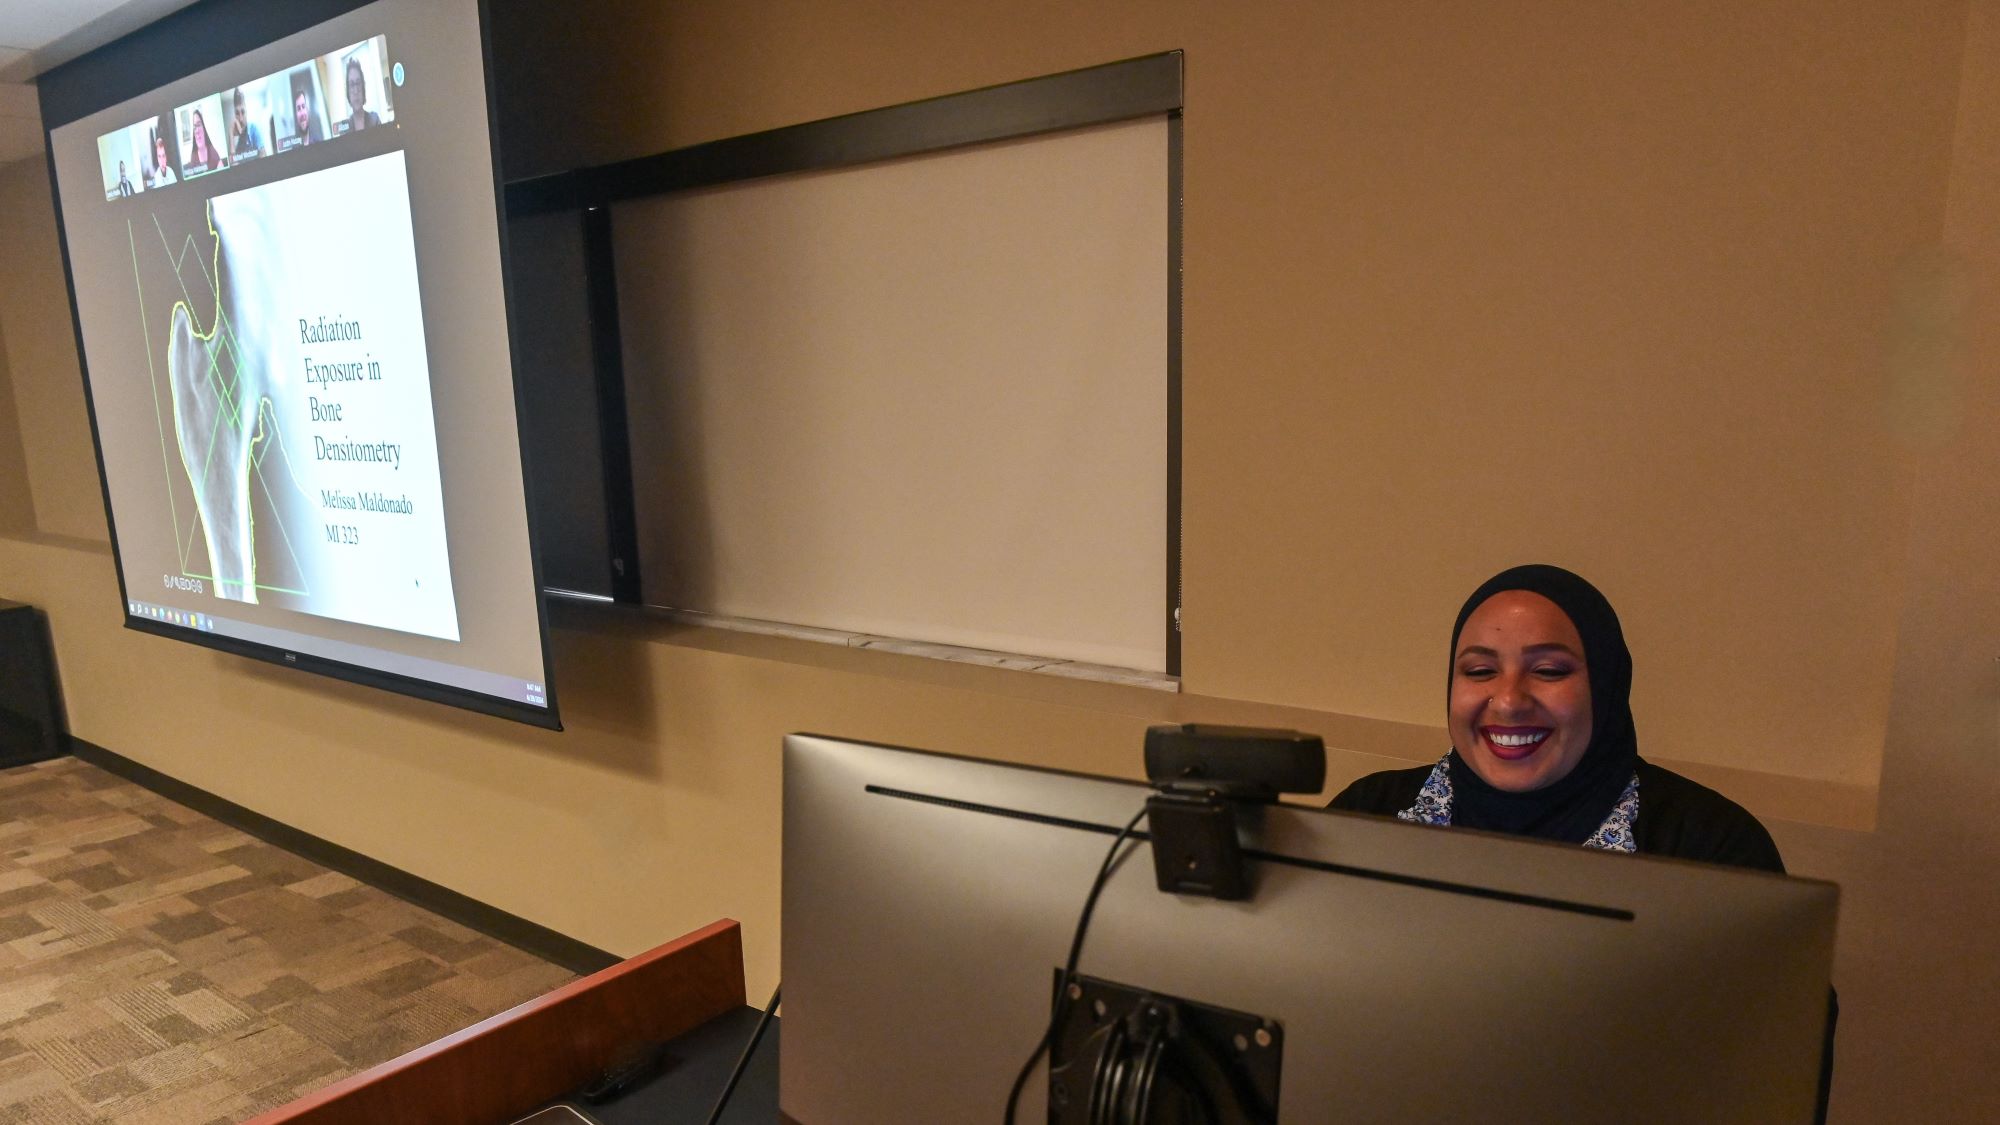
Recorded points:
(1419, 974)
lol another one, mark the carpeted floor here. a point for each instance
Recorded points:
(158, 967)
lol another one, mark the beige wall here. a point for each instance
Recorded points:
(1923, 903)
(1696, 298)
(17, 504)
(1466, 285)
(40, 342)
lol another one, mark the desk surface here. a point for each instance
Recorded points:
(698, 1064)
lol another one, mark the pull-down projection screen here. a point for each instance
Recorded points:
(286, 271)
(924, 398)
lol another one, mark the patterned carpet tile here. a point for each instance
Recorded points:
(160, 968)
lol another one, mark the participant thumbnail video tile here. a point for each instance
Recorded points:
(198, 130)
(355, 76)
(250, 126)
(122, 158)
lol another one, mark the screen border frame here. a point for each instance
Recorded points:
(196, 37)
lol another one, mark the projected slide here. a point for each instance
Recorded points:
(290, 333)
(293, 325)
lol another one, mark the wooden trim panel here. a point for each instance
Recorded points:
(502, 1067)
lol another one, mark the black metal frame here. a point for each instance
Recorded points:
(192, 39)
(173, 47)
(1175, 197)
(614, 433)
(1119, 1047)
(1098, 95)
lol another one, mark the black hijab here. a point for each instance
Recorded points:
(1573, 807)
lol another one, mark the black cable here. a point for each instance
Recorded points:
(1149, 1072)
(729, 1087)
(1104, 870)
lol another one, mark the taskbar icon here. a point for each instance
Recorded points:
(186, 619)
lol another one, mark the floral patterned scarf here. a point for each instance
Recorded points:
(1614, 835)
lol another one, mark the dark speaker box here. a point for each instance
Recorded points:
(31, 727)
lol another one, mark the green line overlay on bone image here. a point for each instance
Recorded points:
(267, 436)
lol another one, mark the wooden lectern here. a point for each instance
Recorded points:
(501, 1068)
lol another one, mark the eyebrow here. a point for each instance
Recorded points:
(1546, 646)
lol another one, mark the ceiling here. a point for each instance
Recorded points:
(36, 35)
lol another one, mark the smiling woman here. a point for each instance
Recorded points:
(1520, 692)
(1543, 742)
(1538, 705)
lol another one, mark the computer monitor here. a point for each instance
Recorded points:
(1410, 973)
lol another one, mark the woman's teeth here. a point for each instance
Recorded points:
(1512, 745)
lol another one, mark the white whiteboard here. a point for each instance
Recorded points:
(924, 398)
